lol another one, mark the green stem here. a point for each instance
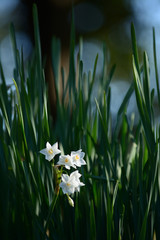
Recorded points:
(51, 210)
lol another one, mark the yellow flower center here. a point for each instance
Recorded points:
(50, 151)
(66, 160)
(68, 184)
(76, 157)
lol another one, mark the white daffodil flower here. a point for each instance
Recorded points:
(71, 183)
(68, 184)
(77, 175)
(50, 151)
(66, 160)
(78, 158)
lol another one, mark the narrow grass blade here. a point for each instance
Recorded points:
(104, 127)
(20, 114)
(134, 48)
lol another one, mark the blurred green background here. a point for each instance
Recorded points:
(97, 21)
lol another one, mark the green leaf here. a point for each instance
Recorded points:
(104, 127)
(134, 48)
(19, 109)
(92, 222)
(144, 114)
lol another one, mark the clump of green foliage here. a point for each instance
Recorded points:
(121, 197)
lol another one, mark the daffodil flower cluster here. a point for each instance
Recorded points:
(74, 160)
(69, 183)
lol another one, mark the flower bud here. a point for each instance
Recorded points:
(70, 201)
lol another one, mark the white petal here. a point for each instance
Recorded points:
(71, 190)
(49, 157)
(81, 184)
(44, 151)
(67, 189)
(82, 162)
(59, 162)
(75, 174)
(63, 157)
(65, 178)
(55, 145)
(63, 186)
(62, 161)
(76, 152)
(73, 153)
(82, 154)
(48, 145)
(74, 166)
(56, 151)
(78, 189)
(77, 163)
(55, 148)
(67, 167)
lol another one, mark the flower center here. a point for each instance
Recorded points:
(66, 160)
(68, 184)
(76, 157)
(50, 151)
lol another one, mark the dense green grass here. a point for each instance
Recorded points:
(121, 197)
